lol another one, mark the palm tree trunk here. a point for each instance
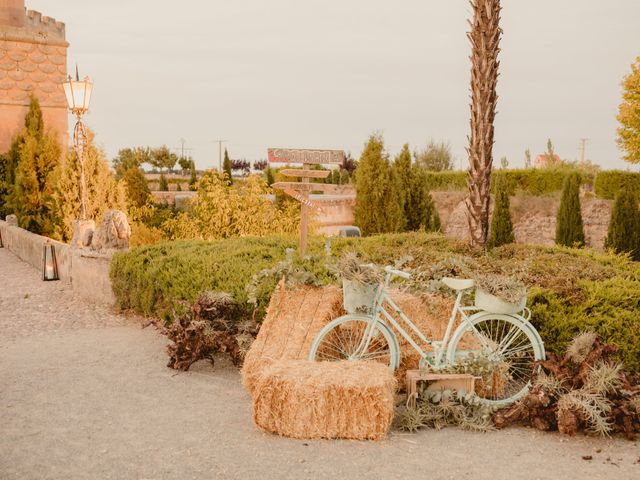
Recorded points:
(485, 46)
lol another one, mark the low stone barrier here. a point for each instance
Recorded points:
(86, 271)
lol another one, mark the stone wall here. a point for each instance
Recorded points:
(86, 271)
(534, 217)
(33, 61)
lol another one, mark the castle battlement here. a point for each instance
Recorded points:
(46, 25)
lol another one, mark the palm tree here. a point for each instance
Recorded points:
(485, 46)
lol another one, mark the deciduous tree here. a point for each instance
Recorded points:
(629, 115)
(435, 157)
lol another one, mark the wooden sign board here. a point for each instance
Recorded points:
(327, 188)
(305, 156)
(306, 173)
(301, 198)
(300, 190)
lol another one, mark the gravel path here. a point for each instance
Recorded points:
(84, 394)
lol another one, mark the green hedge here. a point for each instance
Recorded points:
(531, 181)
(155, 279)
(570, 290)
(443, 181)
(609, 182)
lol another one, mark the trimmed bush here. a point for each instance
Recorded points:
(610, 182)
(624, 227)
(531, 181)
(154, 280)
(569, 228)
(443, 181)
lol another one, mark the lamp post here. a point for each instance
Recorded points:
(78, 93)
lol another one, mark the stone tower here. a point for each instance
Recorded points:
(33, 60)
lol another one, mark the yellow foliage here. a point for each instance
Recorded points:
(629, 115)
(104, 192)
(222, 211)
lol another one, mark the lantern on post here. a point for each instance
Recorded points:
(78, 93)
(49, 263)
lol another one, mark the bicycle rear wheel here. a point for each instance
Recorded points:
(502, 350)
(343, 339)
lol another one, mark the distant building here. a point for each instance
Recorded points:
(543, 160)
(33, 60)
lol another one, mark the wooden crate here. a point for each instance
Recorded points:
(438, 381)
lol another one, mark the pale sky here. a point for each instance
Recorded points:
(326, 74)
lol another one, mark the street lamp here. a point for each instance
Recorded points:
(78, 93)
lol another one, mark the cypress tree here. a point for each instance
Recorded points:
(378, 203)
(179, 188)
(268, 176)
(163, 185)
(137, 188)
(32, 197)
(403, 171)
(422, 212)
(624, 227)
(501, 230)
(569, 228)
(194, 176)
(226, 167)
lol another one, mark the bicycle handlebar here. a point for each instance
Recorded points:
(399, 273)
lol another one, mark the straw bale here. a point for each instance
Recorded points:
(302, 399)
(293, 320)
(295, 317)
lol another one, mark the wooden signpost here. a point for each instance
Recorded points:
(301, 190)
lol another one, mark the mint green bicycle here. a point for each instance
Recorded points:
(507, 341)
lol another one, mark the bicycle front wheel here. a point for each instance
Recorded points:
(502, 350)
(345, 339)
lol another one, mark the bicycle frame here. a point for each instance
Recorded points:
(439, 347)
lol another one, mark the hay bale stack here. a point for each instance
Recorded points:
(294, 319)
(302, 399)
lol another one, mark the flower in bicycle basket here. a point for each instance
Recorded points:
(507, 289)
(352, 268)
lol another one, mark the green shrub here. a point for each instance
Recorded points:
(609, 308)
(163, 185)
(540, 181)
(569, 228)
(153, 280)
(443, 181)
(501, 231)
(610, 182)
(624, 227)
(571, 290)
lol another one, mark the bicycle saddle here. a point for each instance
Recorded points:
(458, 283)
